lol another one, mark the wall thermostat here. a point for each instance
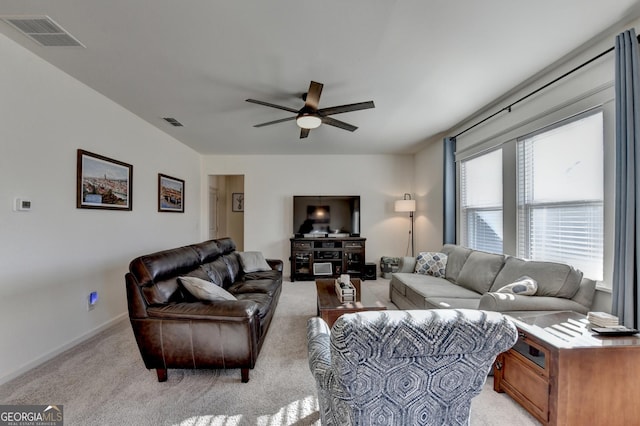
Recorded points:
(22, 205)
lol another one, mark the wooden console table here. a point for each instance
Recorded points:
(336, 255)
(564, 374)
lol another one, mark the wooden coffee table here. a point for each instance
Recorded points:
(330, 307)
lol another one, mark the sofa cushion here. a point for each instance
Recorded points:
(525, 286)
(233, 264)
(162, 291)
(226, 245)
(586, 292)
(456, 257)
(503, 302)
(429, 286)
(207, 250)
(205, 290)
(431, 263)
(271, 274)
(449, 303)
(218, 272)
(397, 283)
(264, 302)
(164, 264)
(480, 270)
(554, 279)
(267, 286)
(253, 261)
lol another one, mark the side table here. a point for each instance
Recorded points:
(564, 374)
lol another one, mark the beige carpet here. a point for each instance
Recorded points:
(104, 382)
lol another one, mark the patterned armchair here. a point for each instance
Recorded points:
(419, 367)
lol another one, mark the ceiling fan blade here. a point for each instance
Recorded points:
(313, 95)
(282, 120)
(337, 123)
(304, 133)
(253, 101)
(346, 108)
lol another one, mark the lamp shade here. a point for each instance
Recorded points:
(405, 206)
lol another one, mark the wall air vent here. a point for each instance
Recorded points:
(43, 30)
(173, 121)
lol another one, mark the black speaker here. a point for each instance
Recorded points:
(370, 271)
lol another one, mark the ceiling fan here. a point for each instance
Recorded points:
(310, 116)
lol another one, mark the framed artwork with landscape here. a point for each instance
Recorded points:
(103, 183)
(170, 194)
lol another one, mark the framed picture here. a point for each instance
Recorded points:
(170, 194)
(237, 202)
(103, 183)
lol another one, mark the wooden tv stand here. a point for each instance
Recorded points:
(563, 374)
(335, 255)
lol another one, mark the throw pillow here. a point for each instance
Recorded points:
(431, 263)
(205, 290)
(525, 286)
(253, 261)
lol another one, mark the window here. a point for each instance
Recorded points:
(481, 202)
(560, 195)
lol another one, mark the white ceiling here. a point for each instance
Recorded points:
(427, 64)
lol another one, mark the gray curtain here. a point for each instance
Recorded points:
(449, 198)
(625, 297)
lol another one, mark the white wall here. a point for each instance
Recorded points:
(429, 193)
(54, 255)
(271, 181)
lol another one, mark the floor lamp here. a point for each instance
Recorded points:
(407, 205)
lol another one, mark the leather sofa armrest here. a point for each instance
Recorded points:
(205, 311)
(276, 264)
(135, 302)
(505, 302)
(318, 338)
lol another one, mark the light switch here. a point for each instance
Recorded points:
(21, 205)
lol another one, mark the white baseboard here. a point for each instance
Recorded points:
(55, 352)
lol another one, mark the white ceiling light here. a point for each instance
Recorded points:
(308, 121)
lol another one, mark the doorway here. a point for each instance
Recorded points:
(226, 208)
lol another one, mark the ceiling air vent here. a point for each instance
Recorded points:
(42, 30)
(173, 121)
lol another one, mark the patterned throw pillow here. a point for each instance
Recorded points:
(431, 263)
(525, 286)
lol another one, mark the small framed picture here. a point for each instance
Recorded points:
(170, 194)
(237, 202)
(103, 183)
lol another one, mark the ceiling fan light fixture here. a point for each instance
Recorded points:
(308, 121)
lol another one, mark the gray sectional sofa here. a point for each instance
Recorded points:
(472, 278)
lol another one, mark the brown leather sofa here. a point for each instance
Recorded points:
(174, 329)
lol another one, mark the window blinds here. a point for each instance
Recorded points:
(560, 195)
(481, 202)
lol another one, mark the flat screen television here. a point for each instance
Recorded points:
(326, 215)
